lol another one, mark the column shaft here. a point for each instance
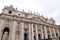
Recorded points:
(22, 31)
(1, 28)
(42, 35)
(32, 33)
(50, 32)
(54, 32)
(45, 30)
(36, 33)
(13, 30)
(29, 32)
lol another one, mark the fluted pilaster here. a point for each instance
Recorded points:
(13, 30)
(32, 32)
(36, 33)
(29, 31)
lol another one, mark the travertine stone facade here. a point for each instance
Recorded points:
(21, 25)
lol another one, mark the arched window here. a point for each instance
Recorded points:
(5, 34)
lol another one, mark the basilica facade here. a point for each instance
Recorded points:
(21, 25)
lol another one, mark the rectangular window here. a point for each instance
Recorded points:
(39, 37)
(25, 36)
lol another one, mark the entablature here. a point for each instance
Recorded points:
(24, 19)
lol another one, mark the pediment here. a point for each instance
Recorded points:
(39, 19)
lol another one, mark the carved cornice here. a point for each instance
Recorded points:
(25, 19)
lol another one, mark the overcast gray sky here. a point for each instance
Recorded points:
(49, 8)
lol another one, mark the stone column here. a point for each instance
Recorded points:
(45, 30)
(1, 27)
(13, 30)
(54, 32)
(29, 31)
(36, 33)
(22, 31)
(32, 32)
(42, 35)
(50, 32)
(1, 32)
